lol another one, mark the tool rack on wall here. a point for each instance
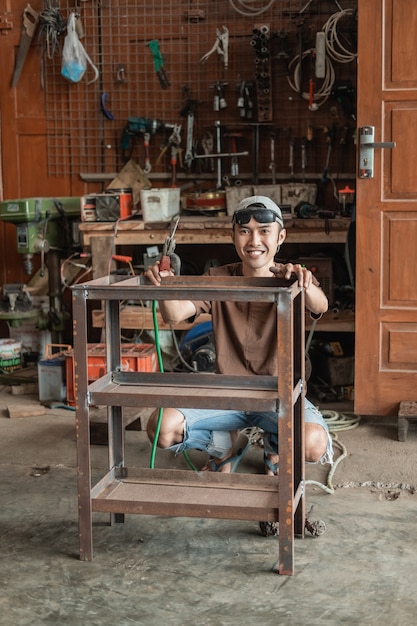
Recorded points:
(187, 493)
(259, 94)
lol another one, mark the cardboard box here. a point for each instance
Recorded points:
(133, 176)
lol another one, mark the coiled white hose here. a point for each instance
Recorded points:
(334, 47)
(320, 96)
(248, 10)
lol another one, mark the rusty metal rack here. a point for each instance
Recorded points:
(124, 490)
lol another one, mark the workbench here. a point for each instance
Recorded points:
(103, 237)
(188, 493)
(208, 230)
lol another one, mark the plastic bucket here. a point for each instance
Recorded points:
(10, 355)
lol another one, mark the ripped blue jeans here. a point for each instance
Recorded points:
(205, 429)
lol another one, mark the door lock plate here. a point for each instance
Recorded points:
(367, 146)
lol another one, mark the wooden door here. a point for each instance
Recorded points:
(23, 134)
(386, 258)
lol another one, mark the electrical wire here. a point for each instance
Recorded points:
(248, 10)
(336, 50)
(161, 369)
(161, 410)
(321, 95)
(66, 284)
(178, 351)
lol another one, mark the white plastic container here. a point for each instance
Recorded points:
(159, 204)
(51, 379)
(10, 355)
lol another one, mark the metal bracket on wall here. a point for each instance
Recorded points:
(5, 25)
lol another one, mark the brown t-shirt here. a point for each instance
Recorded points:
(245, 333)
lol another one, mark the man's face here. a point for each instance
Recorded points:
(256, 244)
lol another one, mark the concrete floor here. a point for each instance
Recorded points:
(154, 570)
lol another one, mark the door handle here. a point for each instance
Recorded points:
(366, 150)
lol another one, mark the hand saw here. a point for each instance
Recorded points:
(30, 23)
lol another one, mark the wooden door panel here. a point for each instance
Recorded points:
(400, 181)
(399, 347)
(386, 291)
(399, 231)
(400, 26)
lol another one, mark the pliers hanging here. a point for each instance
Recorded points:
(221, 45)
(159, 63)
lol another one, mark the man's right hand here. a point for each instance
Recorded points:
(154, 275)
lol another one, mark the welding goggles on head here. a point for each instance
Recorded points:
(260, 212)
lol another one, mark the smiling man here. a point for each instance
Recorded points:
(246, 343)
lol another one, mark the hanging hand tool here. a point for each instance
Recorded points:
(234, 164)
(188, 111)
(159, 63)
(221, 45)
(148, 166)
(272, 165)
(189, 151)
(219, 101)
(169, 247)
(30, 24)
(329, 132)
(104, 108)
(174, 141)
(303, 159)
(309, 139)
(219, 149)
(291, 160)
(208, 145)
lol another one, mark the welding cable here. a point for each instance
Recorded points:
(161, 410)
(340, 421)
(72, 260)
(161, 369)
(320, 96)
(178, 351)
(248, 10)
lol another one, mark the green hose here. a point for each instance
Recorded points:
(161, 369)
(161, 410)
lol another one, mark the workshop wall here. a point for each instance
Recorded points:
(150, 59)
(57, 131)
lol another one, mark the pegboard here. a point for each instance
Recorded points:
(85, 121)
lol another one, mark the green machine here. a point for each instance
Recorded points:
(42, 224)
(49, 227)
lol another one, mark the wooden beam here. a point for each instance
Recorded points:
(140, 318)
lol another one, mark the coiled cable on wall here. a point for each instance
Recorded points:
(334, 47)
(248, 9)
(320, 96)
